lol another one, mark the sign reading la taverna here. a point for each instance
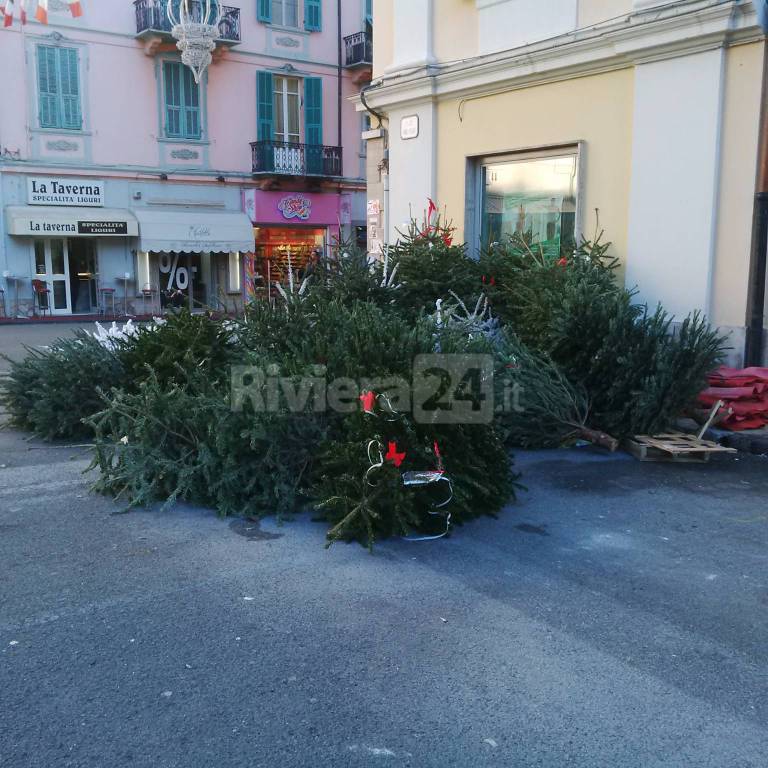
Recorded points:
(47, 190)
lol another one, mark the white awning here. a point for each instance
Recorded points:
(49, 221)
(194, 231)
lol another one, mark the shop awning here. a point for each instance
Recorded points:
(194, 231)
(50, 221)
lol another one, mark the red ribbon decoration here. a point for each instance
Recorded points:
(368, 399)
(393, 456)
(436, 449)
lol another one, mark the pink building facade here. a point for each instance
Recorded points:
(122, 181)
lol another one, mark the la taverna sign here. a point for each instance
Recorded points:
(46, 190)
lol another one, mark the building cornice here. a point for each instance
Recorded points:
(652, 34)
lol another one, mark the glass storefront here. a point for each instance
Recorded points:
(274, 246)
(533, 196)
(194, 280)
(68, 268)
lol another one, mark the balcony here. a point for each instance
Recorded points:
(359, 48)
(281, 158)
(152, 20)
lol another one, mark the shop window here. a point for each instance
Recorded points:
(533, 196)
(40, 268)
(58, 85)
(233, 273)
(182, 102)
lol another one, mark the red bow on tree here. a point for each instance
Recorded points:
(393, 456)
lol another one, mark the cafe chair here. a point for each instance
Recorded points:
(148, 294)
(107, 295)
(41, 300)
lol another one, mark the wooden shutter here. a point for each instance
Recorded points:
(173, 104)
(369, 11)
(48, 86)
(69, 82)
(313, 110)
(313, 123)
(191, 104)
(264, 11)
(265, 98)
(313, 15)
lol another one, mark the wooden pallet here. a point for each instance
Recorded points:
(673, 446)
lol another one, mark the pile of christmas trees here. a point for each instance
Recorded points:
(310, 401)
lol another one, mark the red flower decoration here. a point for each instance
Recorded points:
(393, 456)
(368, 399)
(563, 262)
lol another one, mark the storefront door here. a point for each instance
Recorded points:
(52, 267)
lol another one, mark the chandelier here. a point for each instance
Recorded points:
(195, 26)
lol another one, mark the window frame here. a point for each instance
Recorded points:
(282, 109)
(281, 22)
(475, 191)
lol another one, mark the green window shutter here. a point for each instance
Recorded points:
(191, 104)
(173, 103)
(313, 110)
(69, 87)
(313, 123)
(48, 86)
(369, 11)
(265, 99)
(313, 16)
(264, 11)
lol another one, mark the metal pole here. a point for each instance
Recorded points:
(339, 73)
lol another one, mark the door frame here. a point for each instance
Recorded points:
(49, 277)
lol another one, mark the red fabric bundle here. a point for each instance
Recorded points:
(745, 393)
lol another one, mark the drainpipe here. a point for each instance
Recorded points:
(753, 350)
(339, 71)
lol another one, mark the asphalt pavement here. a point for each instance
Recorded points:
(617, 615)
(15, 337)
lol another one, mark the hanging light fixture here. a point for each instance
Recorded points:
(195, 26)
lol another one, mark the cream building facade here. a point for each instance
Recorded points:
(635, 117)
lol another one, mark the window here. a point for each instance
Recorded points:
(182, 102)
(287, 109)
(58, 85)
(285, 12)
(533, 196)
(233, 270)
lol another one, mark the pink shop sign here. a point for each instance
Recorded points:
(291, 208)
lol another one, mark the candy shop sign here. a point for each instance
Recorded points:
(295, 207)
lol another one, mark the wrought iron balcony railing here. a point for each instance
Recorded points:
(287, 159)
(151, 16)
(359, 48)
